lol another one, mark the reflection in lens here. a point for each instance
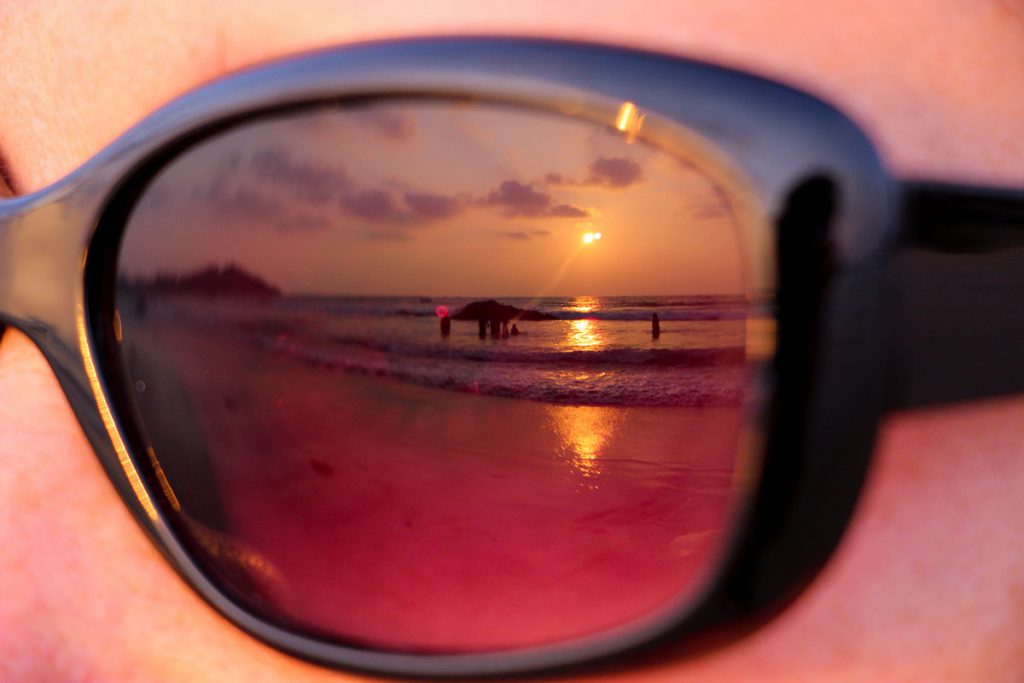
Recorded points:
(402, 399)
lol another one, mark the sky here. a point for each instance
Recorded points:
(432, 198)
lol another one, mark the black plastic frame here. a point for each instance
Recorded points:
(831, 212)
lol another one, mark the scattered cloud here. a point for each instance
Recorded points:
(518, 200)
(567, 211)
(614, 171)
(303, 223)
(312, 183)
(373, 205)
(387, 122)
(709, 210)
(427, 206)
(387, 236)
(524, 235)
(246, 203)
(413, 208)
(604, 171)
(717, 204)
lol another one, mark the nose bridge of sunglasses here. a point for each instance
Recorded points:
(41, 260)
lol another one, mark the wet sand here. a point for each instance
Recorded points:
(426, 519)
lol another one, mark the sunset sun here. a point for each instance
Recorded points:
(591, 237)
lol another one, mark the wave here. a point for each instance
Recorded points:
(694, 357)
(667, 315)
(625, 377)
(624, 315)
(709, 369)
(706, 387)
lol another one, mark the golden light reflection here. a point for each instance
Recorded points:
(584, 433)
(760, 335)
(234, 552)
(162, 478)
(584, 335)
(108, 419)
(583, 304)
(629, 120)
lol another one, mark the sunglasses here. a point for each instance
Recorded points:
(467, 356)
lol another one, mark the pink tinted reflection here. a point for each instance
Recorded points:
(419, 518)
(365, 447)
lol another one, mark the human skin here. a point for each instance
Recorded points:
(928, 584)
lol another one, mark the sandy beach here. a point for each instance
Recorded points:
(387, 513)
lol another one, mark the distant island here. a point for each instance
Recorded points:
(492, 310)
(210, 282)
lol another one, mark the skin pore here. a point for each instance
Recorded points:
(929, 583)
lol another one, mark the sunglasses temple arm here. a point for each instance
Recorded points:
(959, 293)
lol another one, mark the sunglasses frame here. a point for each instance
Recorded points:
(824, 390)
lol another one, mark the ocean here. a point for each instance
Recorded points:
(596, 350)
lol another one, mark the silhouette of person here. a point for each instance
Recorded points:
(515, 330)
(655, 326)
(483, 328)
(446, 326)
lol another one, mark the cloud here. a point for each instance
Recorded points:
(709, 210)
(303, 223)
(387, 236)
(415, 208)
(603, 171)
(524, 235)
(387, 122)
(713, 205)
(373, 205)
(567, 211)
(516, 199)
(614, 171)
(257, 208)
(312, 183)
(246, 203)
(427, 206)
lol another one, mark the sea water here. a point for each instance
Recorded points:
(595, 350)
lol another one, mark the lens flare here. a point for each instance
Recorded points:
(629, 120)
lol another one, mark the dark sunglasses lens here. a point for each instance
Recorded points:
(438, 376)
